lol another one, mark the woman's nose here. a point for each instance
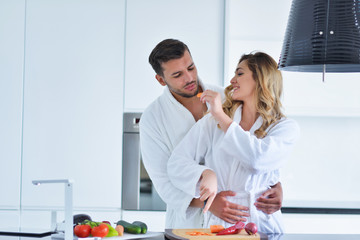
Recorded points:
(233, 80)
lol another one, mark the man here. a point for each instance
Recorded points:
(166, 121)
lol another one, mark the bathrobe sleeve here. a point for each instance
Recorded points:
(155, 154)
(261, 155)
(184, 166)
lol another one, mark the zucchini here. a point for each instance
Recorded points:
(142, 225)
(129, 228)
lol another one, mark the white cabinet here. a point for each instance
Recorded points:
(199, 24)
(12, 15)
(9, 220)
(321, 223)
(155, 220)
(73, 94)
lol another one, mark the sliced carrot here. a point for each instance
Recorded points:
(198, 233)
(216, 228)
(199, 94)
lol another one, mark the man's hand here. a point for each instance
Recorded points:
(228, 211)
(271, 200)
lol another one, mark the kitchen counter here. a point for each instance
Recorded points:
(269, 237)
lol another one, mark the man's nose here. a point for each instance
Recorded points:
(188, 76)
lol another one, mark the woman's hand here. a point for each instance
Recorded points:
(214, 99)
(208, 187)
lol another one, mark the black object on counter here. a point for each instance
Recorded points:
(27, 234)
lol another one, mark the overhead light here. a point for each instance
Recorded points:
(322, 36)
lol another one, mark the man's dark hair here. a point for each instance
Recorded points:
(166, 50)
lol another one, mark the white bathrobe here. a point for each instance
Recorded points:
(162, 126)
(242, 162)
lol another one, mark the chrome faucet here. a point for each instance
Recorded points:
(69, 221)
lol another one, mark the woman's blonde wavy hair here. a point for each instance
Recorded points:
(268, 90)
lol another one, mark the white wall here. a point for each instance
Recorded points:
(199, 24)
(74, 53)
(11, 78)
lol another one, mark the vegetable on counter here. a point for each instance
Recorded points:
(229, 230)
(120, 230)
(240, 225)
(142, 225)
(251, 228)
(233, 229)
(112, 232)
(79, 218)
(198, 233)
(95, 229)
(129, 228)
(100, 231)
(82, 231)
(216, 228)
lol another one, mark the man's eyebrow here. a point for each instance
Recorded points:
(175, 73)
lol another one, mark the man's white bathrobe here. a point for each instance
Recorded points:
(162, 126)
(242, 162)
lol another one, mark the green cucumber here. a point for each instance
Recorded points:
(142, 225)
(129, 228)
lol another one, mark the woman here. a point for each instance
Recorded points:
(242, 142)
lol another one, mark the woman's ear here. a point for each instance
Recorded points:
(160, 80)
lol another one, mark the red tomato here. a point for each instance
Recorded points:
(82, 231)
(100, 231)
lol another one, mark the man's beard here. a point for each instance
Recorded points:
(186, 95)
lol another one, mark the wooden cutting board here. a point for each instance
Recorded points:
(180, 234)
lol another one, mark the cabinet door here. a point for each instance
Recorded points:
(199, 24)
(9, 220)
(12, 16)
(155, 220)
(73, 101)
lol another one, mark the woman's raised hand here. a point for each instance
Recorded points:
(214, 99)
(208, 188)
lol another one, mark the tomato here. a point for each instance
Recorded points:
(100, 231)
(82, 231)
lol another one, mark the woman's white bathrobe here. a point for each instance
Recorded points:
(162, 126)
(242, 162)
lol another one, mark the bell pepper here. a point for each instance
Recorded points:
(240, 225)
(229, 230)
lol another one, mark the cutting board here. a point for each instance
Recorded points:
(180, 234)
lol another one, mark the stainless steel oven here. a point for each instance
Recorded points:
(138, 192)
